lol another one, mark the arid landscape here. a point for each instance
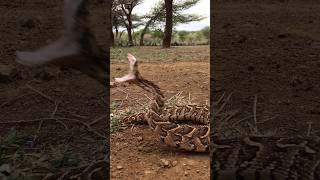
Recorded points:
(183, 75)
(54, 119)
(51, 119)
(268, 50)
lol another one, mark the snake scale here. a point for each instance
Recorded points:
(265, 158)
(251, 157)
(182, 127)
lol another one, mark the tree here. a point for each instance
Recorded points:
(157, 15)
(169, 24)
(154, 15)
(206, 32)
(182, 35)
(122, 17)
(127, 7)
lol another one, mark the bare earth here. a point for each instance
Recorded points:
(269, 49)
(135, 152)
(44, 110)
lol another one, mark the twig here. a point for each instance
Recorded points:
(97, 120)
(143, 105)
(147, 97)
(221, 98)
(14, 99)
(255, 113)
(243, 119)
(55, 110)
(40, 93)
(223, 105)
(309, 128)
(104, 101)
(45, 119)
(41, 122)
(127, 96)
(176, 95)
(268, 119)
(123, 91)
(62, 123)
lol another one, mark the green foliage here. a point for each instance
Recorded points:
(182, 35)
(157, 13)
(206, 32)
(114, 119)
(158, 33)
(187, 38)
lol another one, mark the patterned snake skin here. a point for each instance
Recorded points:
(265, 158)
(182, 127)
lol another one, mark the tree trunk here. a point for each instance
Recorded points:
(129, 30)
(168, 29)
(130, 40)
(111, 37)
(116, 37)
(109, 26)
(143, 32)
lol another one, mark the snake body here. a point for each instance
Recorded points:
(183, 127)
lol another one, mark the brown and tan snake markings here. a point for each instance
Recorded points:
(182, 127)
(265, 158)
(250, 157)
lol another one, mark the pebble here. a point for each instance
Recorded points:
(174, 163)
(165, 163)
(119, 167)
(149, 172)
(139, 138)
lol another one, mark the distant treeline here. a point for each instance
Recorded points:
(179, 38)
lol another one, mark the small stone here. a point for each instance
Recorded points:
(119, 167)
(190, 162)
(139, 138)
(149, 172)
(174, 163)
(165, 163)
(198, 171)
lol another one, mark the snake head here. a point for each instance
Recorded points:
(133, 70)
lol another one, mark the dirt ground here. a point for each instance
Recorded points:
(270, 50)
(135, 152)
(44, 111)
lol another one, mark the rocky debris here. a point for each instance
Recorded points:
(174, 163)
(165, 163)
(149, 172)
